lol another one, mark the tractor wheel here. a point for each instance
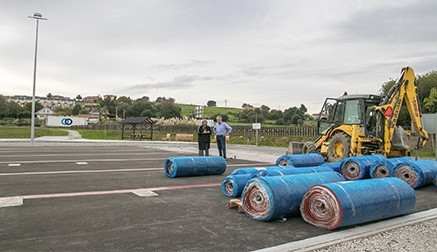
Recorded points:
(339, 147)
(309, 147)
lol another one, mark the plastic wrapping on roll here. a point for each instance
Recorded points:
(279, 171)
(300, 160)
(417, 173)
(384, 168)
(194, 166)
(353, 168)
(341, 204)
(250, 170)
(270, 198)
(233, 184)
(247, 170)
(333, 165)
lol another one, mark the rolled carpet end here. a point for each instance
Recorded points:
(384, 168)
(194, 166)
(321, 207)
(257, 201)
(270, 198)
(381, 169)
(407, 174)
(417, 173)
(340, 204)
(233, 185)
(353, 168)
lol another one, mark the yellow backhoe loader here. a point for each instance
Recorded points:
(366, 124)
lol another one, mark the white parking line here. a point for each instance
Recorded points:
(111, 192)
(14, 164)
(11, 201)
(75, 160)
(145, 193)
(78, 171)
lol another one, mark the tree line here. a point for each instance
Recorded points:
(111, 107)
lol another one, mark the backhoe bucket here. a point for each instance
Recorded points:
(295, 148)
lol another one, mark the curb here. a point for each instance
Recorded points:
(323, 241)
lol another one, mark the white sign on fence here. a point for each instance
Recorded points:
(256, 126)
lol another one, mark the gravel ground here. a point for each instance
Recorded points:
(418, 237)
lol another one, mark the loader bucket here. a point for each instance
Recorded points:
(295, 148)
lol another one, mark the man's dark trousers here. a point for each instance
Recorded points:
(221, 145)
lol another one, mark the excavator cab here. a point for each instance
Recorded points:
(348, 110)
(338, 119)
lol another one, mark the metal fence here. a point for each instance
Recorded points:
(236, 130)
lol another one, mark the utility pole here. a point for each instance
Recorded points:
(38, 17)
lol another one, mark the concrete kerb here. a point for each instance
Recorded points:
(323, 241)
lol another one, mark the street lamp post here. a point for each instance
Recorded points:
(38, 17)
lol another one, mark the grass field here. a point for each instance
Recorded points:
(24, 132)
(273, 141)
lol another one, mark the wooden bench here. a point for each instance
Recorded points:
(184, 137)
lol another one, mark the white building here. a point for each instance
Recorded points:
(44, 112)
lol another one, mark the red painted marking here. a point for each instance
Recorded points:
(101, 171)
(251, 164)
(78, 171)
(78, 194)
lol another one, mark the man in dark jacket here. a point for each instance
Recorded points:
(204, 138)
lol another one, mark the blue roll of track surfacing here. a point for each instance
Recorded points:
(233, 184)
(270, 198)
(300, 160)
(194, 166)
(340, 204)
(417, 173)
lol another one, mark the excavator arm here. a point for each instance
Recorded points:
(403, 90)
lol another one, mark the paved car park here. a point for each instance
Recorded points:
(116, 197)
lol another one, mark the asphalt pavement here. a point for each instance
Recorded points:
(80, 195)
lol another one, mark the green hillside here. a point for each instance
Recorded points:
(209, 112)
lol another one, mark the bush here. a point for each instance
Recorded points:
(280, 122)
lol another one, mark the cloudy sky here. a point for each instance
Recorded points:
(274, 52)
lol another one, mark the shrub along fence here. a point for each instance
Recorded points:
(237, 130)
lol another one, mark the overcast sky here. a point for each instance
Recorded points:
(277, 53)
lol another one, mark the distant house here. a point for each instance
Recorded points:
(92, 118)
(54, 100)
(44, 112)
(90, 98)
(320, 116)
